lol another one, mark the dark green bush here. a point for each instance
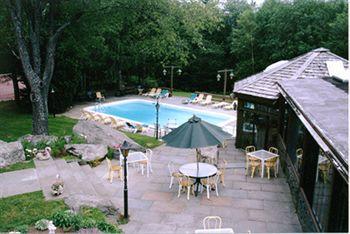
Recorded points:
(107, 227)
(22, 229)
(67, 220)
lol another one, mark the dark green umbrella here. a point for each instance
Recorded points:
(196, 133)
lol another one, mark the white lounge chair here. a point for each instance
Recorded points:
(151, 92)
(207, 101)
(198, 99)
(230, 106)
(220, 104)
(157, 93)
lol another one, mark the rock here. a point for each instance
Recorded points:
(77, 201)
(87, 152)
(98, 133)
(36, 139)
(67, 139)
(11, 153)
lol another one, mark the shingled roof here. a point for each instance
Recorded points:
(324, 105)
(309, 65)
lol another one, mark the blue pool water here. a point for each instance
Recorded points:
(145, 112)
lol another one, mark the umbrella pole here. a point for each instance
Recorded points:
(197, 156)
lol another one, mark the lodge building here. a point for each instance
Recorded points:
(300, 106)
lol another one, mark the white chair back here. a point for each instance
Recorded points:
(212, 222)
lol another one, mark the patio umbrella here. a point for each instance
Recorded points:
(194, 134)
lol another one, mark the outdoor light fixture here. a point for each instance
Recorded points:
(172, 67)
(179, 72)
(231, 75)
(125, 148)
(53, 102)
(225, 72)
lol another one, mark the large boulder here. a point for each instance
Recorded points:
(87, 152)
(98, 133)
(77, 201)
(36, 139)
(11, 153)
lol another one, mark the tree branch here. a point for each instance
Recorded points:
(16, 11)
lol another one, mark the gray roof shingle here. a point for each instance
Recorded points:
(309, 65)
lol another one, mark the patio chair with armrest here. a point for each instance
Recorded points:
(271, 163)
(273, 150)
(212, 222)
(211, 183)
(147, 163)
(185, 183)
(112, 169)
(254, 164)
(248, 149)
(221, 170)
(173, 173)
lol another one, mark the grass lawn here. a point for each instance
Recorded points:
(18, 166)
(145, 141)
(179, 93)
(26, 209)
(14, 123)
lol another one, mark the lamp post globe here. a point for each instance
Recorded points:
(218, 77)
(164, 72)
(179, 72)
(231, 75)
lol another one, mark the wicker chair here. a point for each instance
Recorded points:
(253, 163)
(273, 150)
(112, 169)
(173, 173)
(185, 183)
(211, 182)
(271, 163)
(221, 170)
(248, 149)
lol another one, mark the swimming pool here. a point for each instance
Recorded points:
(144, 112)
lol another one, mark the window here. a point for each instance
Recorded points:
(323, 190)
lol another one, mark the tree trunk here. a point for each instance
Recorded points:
(15, 86)
(40, 112)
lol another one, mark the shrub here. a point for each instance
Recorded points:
(42, 224)
(107, 227)
(88, 223)
(22, 229)
(67, 220)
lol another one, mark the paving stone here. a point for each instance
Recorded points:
(253, 226)
(279, 206)
(157, 196)
(234, 193)
(233, 214)
(248, 203)
(275, 188)
(156, 228)
(168, 207)
(270, 196)
(246, 186)
(180, 220)
(216, 201)
(272, 216)
(146, 216)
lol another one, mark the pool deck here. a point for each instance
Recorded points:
(75, 111)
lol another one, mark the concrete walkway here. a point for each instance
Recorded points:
(255, 204)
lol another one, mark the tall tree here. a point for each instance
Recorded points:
(30, 16)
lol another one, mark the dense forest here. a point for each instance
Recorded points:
(112, 44)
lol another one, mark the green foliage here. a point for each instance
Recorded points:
(92, 213)
(42, 224)
(67, 220)
(21, 229)
(18, 166)
(108, 228)
(26, 209)
(144, 141)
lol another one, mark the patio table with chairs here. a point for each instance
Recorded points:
(265, 156)
(203, 171)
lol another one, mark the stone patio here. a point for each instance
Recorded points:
(255, 204)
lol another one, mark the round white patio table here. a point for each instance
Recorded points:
(204, 170)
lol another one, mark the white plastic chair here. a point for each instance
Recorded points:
(212, 222)
(173, 173)
(147, 162)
